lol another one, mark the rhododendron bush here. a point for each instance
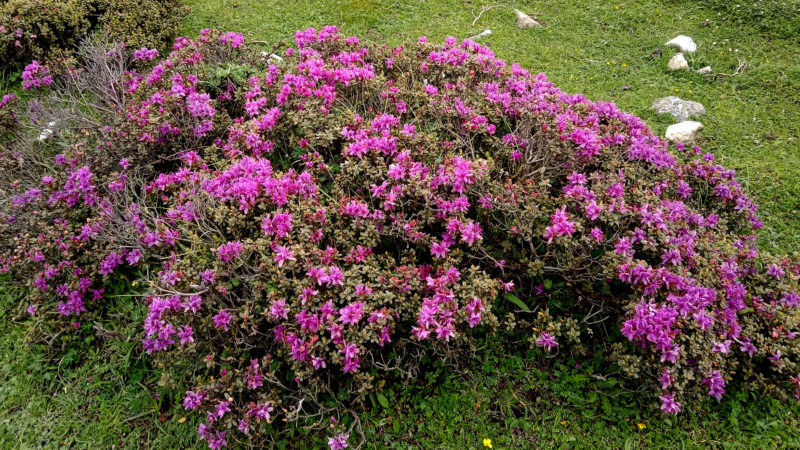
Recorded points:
(309, 220)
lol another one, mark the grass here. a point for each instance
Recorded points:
(88, 396)
(104, 396)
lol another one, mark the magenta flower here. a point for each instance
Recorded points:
(439, 250)
(35, 75)
(222, 319)
(282, 255)
(110, 263)
(597, 234)
(669, 405)
(721, 347)
(593, 210)
(229, 251)
(666, 379)
(339, 442)
(775, 271)
(471, 233)
(547, 341)
(235, 40)
(352, 313)
(748, 347)
(560, 225)
(192, 400)
(217, 441)
(145, 54)
(716, 384)
(279, 310)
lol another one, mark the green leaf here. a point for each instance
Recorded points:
(606, 405)
(383, 401)
(515, 300)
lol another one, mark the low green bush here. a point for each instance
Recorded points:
(46, 29)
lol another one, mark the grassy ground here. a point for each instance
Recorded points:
(87, 398)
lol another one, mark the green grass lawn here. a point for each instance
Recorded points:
(87, 398)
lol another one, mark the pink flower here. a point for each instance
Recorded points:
(222, 319)
(775, 271)
(339, 442)
(235, 40)
(439, 250)
(547, 341)
(186, 335)
(352, 313)
(471, 233)
(716, 384)
(217, 441)
(229, 251)
(192, 400)
(145, 54)
(669, 405)
(279, 310)
(593, 210)
(666, 379)
(35, 75)
(560, 225)
(282, 254)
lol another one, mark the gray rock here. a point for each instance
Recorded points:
(678, 62)
(525, 21)
(680, 109)
(686, 131)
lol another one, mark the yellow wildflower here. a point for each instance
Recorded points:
(641, 426)
(487, 443)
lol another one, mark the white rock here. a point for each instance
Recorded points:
(686, 131)
(705, 70)
(525, 21)
(683, 43)
(484, 33)
(47, 132)
(271, 58)
(678, 62)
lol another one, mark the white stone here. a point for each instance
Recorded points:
(271, 58)
(525, 21)
(47, 132)
(683, 43)
(484, 33)
(678, 62)
(705, 70)
(686, 131)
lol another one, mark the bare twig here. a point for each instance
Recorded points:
(484, 9)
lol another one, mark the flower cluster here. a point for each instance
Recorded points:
(36, 75)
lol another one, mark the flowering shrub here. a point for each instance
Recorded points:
(46, 29)
(313, 224)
